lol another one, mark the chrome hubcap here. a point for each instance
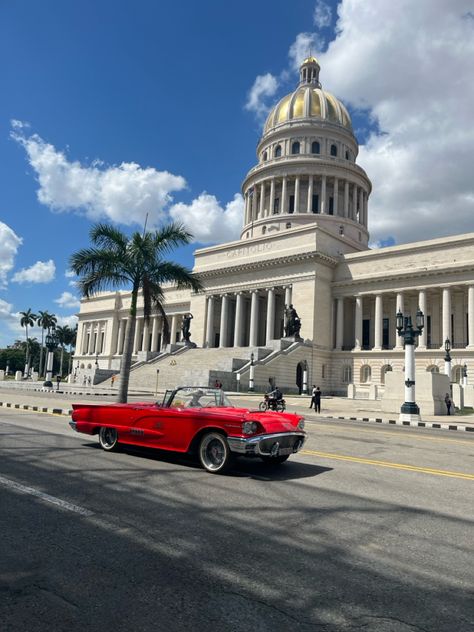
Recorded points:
(213, 453)
(108, 436)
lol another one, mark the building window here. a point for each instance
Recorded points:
(277, 151)
(295, 147)
(331, 206)
(360, 236)
(315, 147)
(348, 155)
(347, 374)
(432, 369)
(366, 333)
(291, 207)
(264, 230)
(276, 206)
(315, 203)
(323, 371)
(385, 332)
(385, 369)
(264, 155)
(333, 150)
(288, 224)
(365, 374)
(341, 229)
(452, 330)
(456, 375)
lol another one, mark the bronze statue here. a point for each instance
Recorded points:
(185, 326)
(293, 322)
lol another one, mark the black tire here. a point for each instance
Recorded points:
(263, 406)
(214, 453)
(108, 439)
(275, 460)
(281, 407)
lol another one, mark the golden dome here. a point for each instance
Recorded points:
(310, 60)
(308, 101)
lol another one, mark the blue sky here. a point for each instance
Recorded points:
(111, 101)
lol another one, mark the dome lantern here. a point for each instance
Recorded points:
(309, 72)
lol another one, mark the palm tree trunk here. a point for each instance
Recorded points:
(61, 361)
(122, 394)
(40, 372)
(27, 359)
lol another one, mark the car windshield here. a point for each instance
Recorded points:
(196, 397)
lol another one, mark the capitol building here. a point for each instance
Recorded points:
(304, 241)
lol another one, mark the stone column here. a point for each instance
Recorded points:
(470, 316)
(239, 304)
(224, 320)
(154, 334)
(346, 198)
(358, 323)
(284, 195)
(288, 295)
(366, 206)
(400, 307)
(174, 328)
(136, 342)
(119, 337)
(422, 306)
(145, 336)
(446, 315)
(323, 195)
(246, 208)
(91, 339)
(336, 196)
(254, 319)
(210, 322)
(309, 208)
(262, 199)
(270, 314)
(361, 206)
(340, 323)
(297, 194)
(254, 203)
(272, 196)
(378, 322)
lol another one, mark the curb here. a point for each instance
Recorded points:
(395, 422)
(66, 412)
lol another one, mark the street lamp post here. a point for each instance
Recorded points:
(305, 378)
(238, 382)
(252, 373)
(464, 375)
(409, 410)
(447, 358)
(156, 385)
(51, 344)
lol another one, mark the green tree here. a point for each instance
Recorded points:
(27, 319)
(62, 332)
(116, 260)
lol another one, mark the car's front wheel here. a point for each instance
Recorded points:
(214, 453)
(108, 438)
(275, 460)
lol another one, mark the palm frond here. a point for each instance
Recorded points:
(109, 237)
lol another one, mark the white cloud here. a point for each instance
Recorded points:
(300, 48)
(69, 274)
(208, 221)
(123, 193)
(322, 15)
(411, 65)
(67, 300)
(263, 88)
(9, 243)
(70, 321)
(40, 272)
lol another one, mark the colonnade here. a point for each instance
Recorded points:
(445, 318)
(306, 194)
(93, 337)
(246, 318)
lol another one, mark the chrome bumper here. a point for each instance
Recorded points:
(73, 425)
(267, 445)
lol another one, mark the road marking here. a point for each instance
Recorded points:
(395, 434)
(396, 466)
(24, 489)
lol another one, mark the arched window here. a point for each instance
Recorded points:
(288, 224)
(315, 147)
(432, 368)
(347, 374)
(277, 151)
(365, 374)
(264, 155)
(89, 366)
(348, 156)
(264, 230)
(341, 229)
(385, 369)
(82, 365)
(333, 150)
(295, 147)
(456, 374)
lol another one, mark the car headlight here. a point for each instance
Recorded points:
(301, 424)
(249, 427)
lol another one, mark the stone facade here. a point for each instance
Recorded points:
(304, 241)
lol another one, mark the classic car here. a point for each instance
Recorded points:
(196, 420)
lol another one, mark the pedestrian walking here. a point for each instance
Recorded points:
(317, 399)
(89, 381)
(313, 391)
(112, 381)
(448, 402)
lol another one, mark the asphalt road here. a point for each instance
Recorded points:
(369, 528)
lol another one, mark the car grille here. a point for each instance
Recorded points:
(284, 443)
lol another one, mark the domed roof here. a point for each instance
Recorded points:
(309, 100)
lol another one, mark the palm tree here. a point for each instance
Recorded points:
(27, 319)
(63, 337)
(71, 341)
(46, 321)
(115, 261)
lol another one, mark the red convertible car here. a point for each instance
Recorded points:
(195, 420)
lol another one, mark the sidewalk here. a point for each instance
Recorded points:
(338, 408)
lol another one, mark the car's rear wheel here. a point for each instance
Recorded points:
(108, 439)
(214, 453)
(275, 460)
(263, 406)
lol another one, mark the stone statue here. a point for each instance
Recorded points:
(185, 327)
(293, 322)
